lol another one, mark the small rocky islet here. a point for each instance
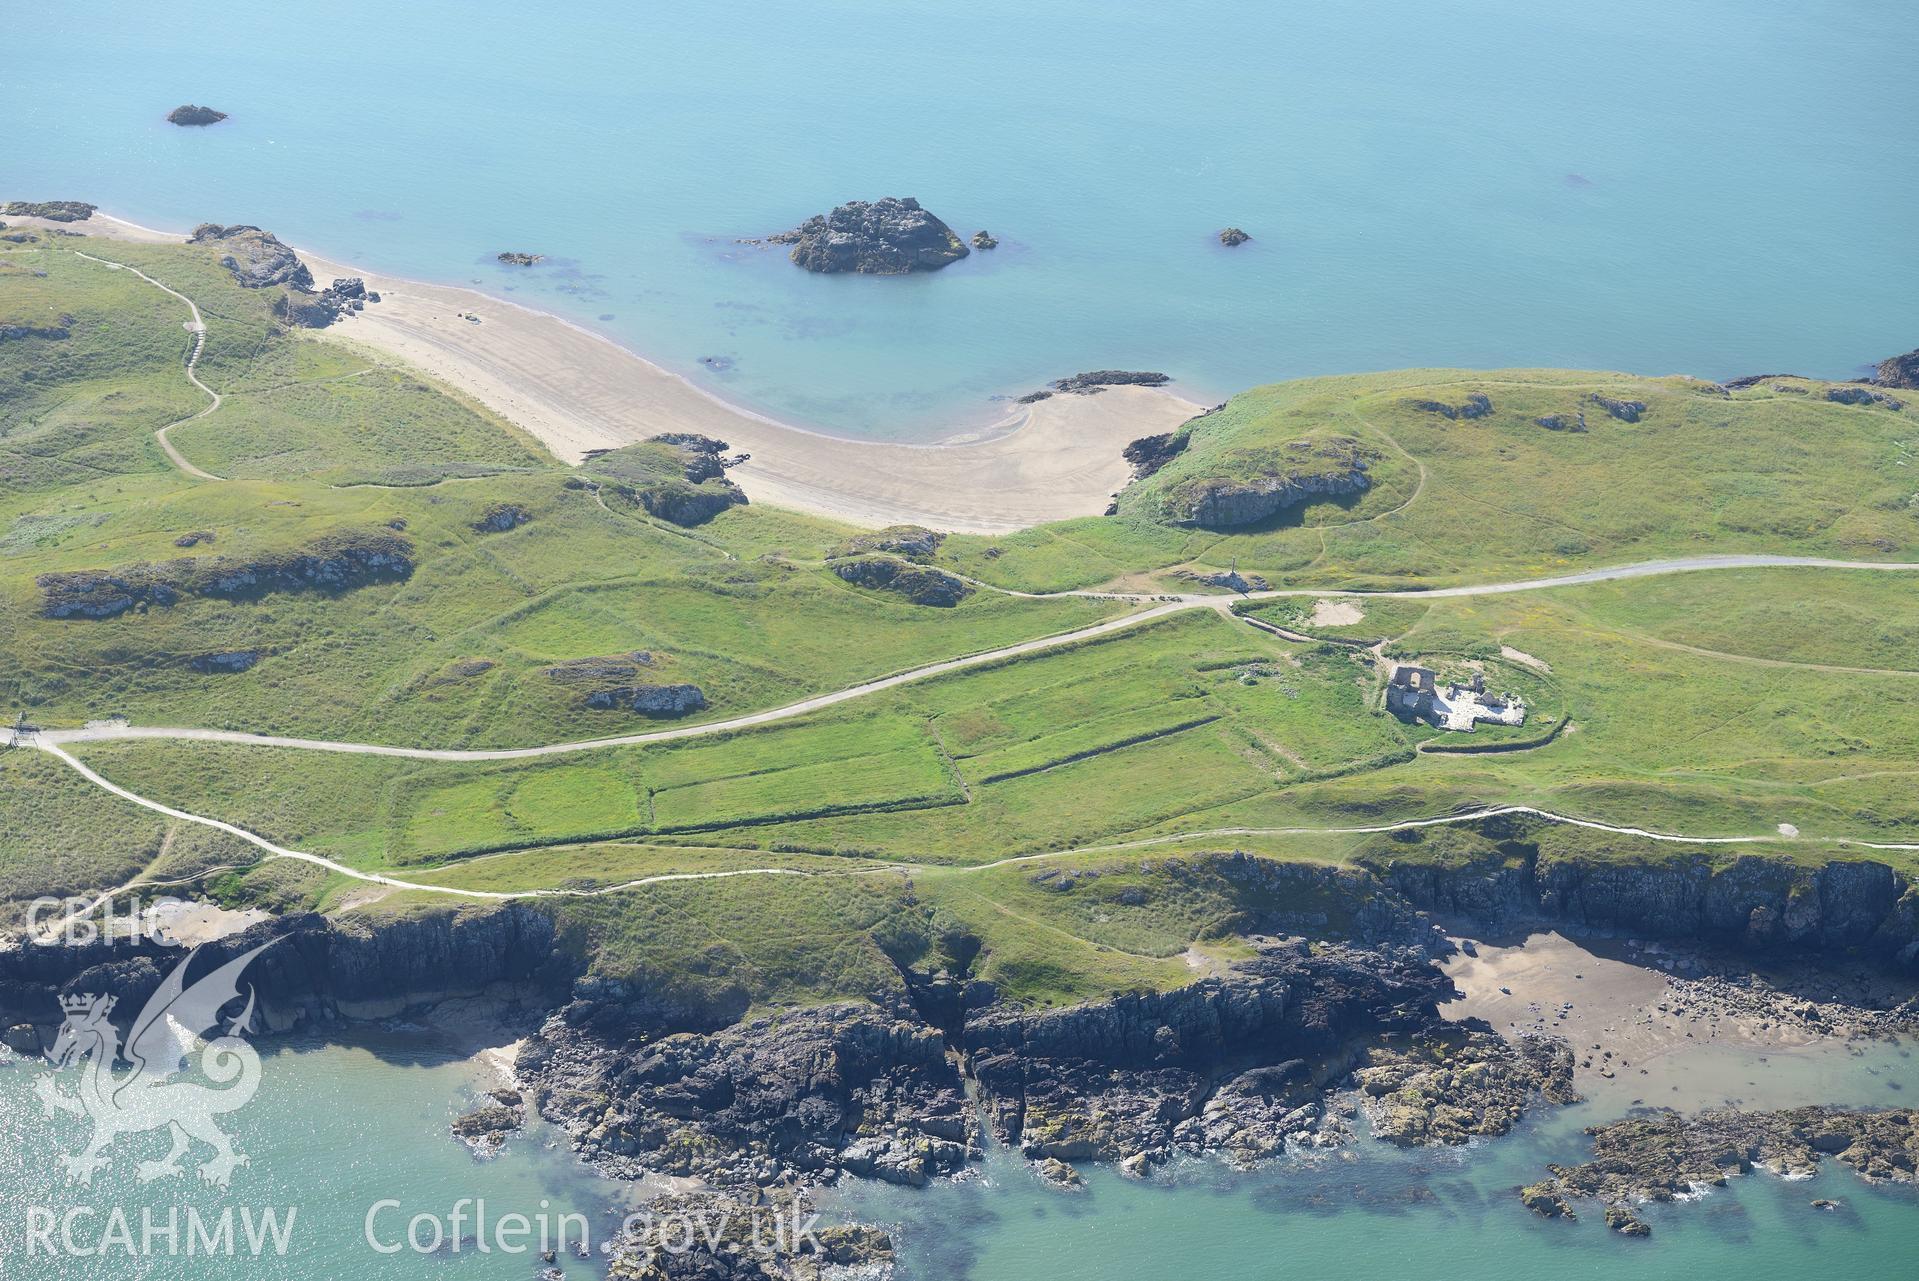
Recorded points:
(192, 115)
(893, 236)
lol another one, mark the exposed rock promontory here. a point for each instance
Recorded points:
(1862, 396)
(1899, 371)
(1477, 405)
(1626, 411)
(1256, 484)
(194, 115)
(256, 258)
(650, 700)
(337, 562)
(500, 517)
(51, 210)
(914, 542)
(59, 330)
(888, 237)
(920, 585)
(1150, 453)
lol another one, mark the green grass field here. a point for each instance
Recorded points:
(875, 833)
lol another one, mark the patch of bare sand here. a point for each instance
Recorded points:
(1510, 654)
(1637, 1036)
(1336, 611)
(577, 391)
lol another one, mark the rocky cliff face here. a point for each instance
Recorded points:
(316, 969)
(1751, 902)
(1117, 1079)
(888, 237)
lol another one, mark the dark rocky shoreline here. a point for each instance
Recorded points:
(1298, 1046)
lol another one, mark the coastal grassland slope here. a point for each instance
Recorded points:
(1193, 725)
(528, 595)
(1189, 725)
(1562, 470)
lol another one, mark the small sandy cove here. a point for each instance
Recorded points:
(576, 391)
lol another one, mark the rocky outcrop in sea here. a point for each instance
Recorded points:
(193, 115)
(1233, 237)
(1094, 381)
(888, 237)
(1667, 1156)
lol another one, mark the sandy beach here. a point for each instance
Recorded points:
(577, 391)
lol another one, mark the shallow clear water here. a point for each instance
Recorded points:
(333, 1131)
(1373, 1211)
(1717, 187)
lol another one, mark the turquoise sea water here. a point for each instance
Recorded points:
(334, 1131)
(1719, 187)
(337, 1128)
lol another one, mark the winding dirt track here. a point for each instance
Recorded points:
(198, 328)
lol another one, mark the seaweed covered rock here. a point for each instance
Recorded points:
(1093, 381)
(194, 115)
(1253, 484)
(888, 237)
(1233, 237)
(51, 210)
(920, 585)
(1667, 1156)
(514, 258)
(256, 258)
(334, 563)
(985, 240)
(1455, 1084)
